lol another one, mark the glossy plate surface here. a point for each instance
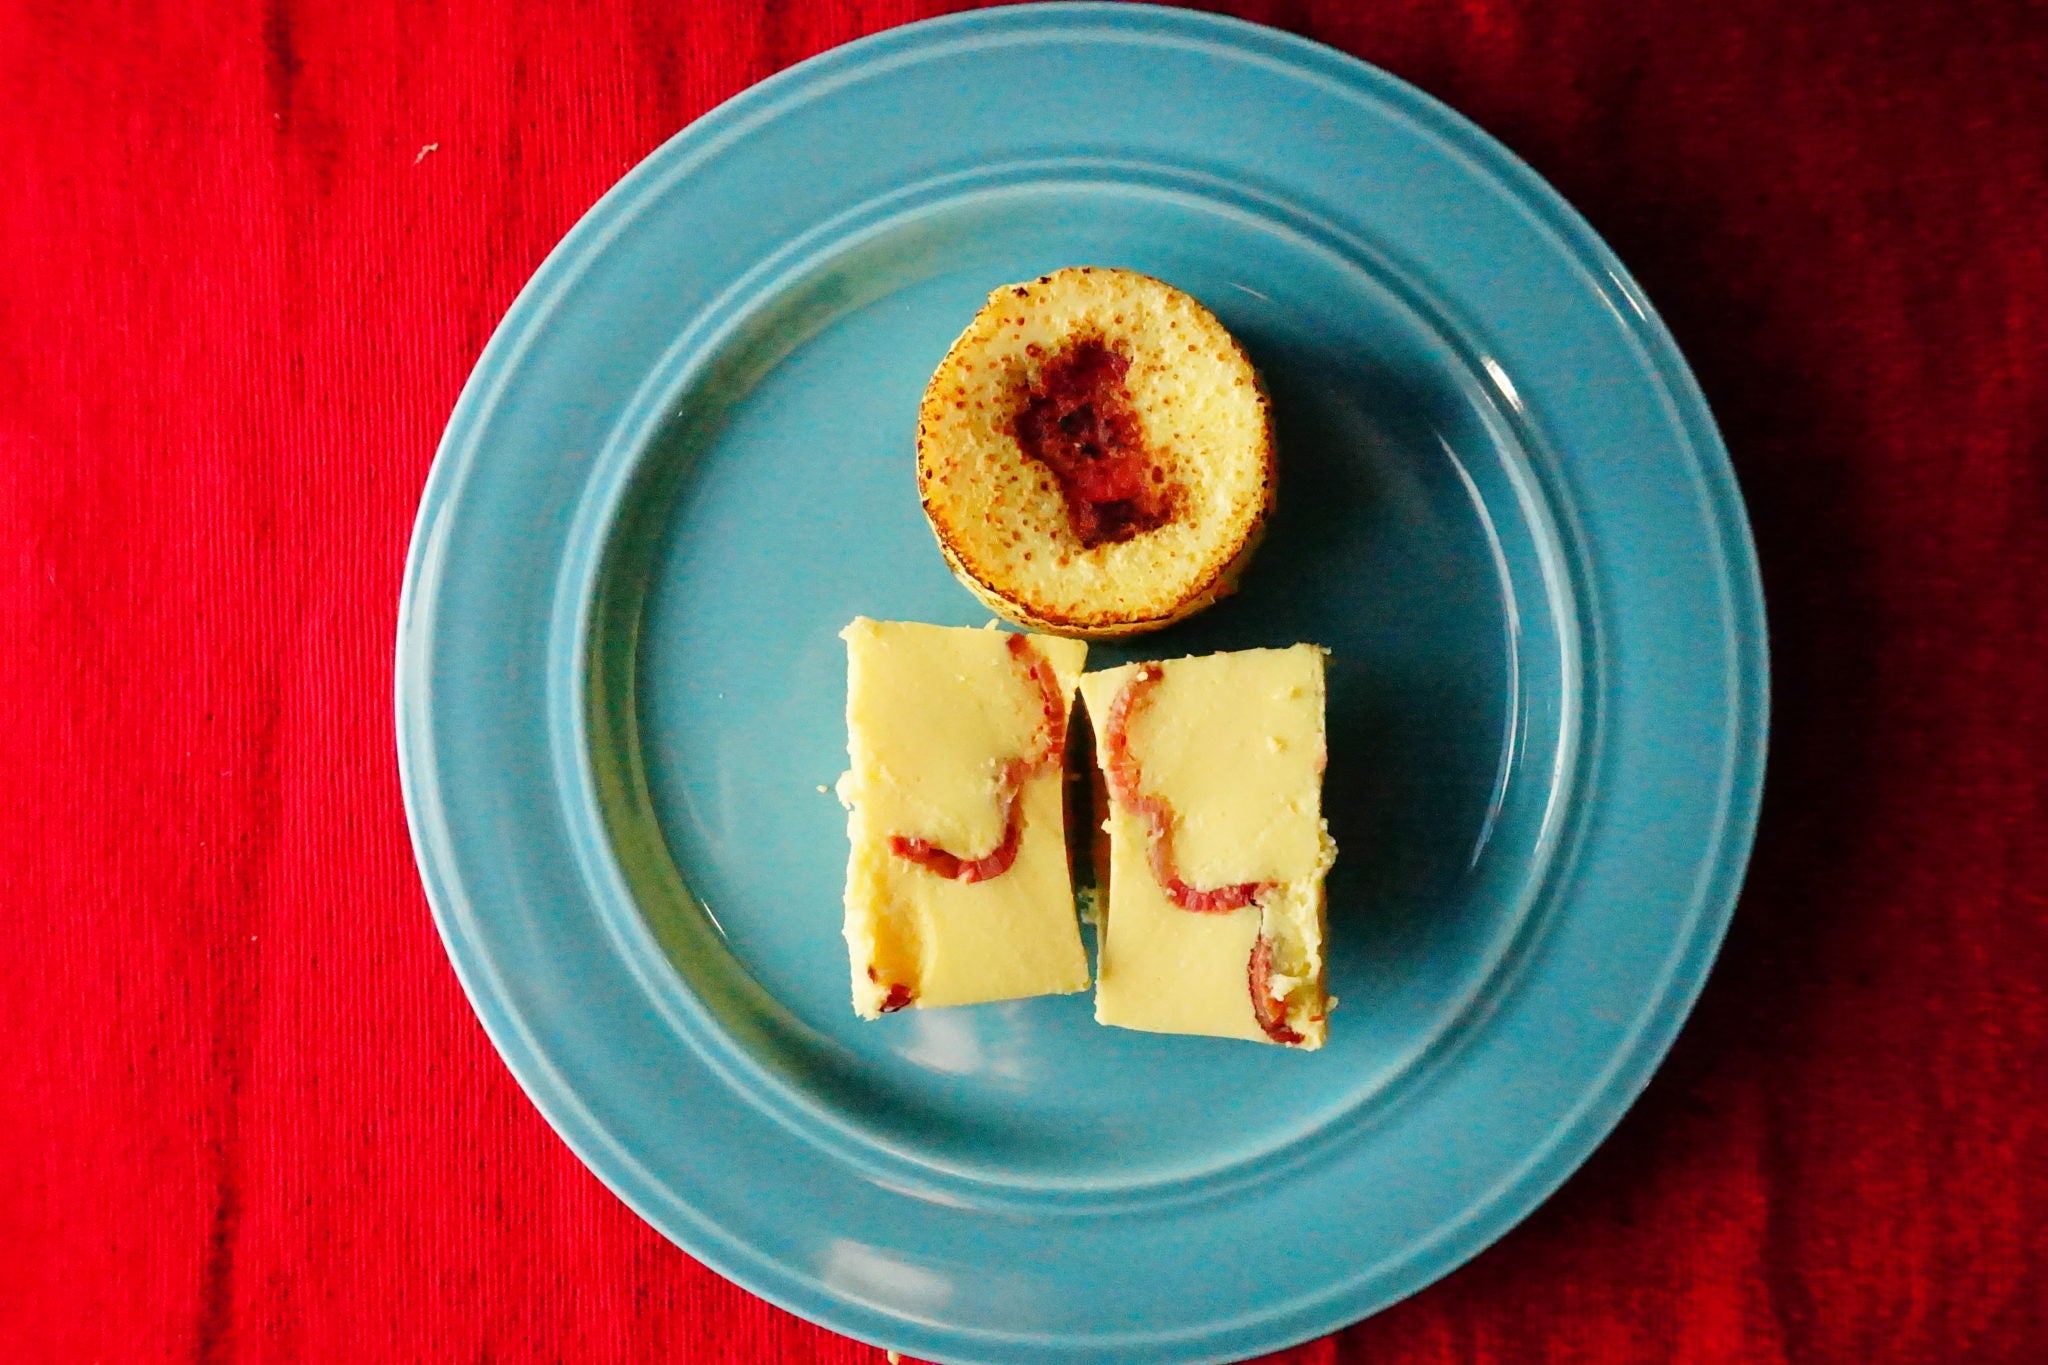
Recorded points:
(684, 462)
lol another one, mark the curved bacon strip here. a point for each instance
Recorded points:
(1269, 1009)
(930, 856)
(1052, 723)
(1126, 782)
(1049, 748)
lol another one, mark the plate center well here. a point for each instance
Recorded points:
(778, 501)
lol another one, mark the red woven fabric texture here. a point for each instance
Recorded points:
(248, 254)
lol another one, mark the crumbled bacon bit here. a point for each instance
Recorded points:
(1076, 419)
(1126, 784)
(898, 994)
(1269, 1009)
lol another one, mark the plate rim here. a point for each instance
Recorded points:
(1548, 1163)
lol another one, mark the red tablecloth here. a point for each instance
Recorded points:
(248, 253)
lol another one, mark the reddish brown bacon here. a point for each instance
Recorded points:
(1269, 1009)
(1078, 422)
(1126, 782)
(899, 995)
(1048, 746)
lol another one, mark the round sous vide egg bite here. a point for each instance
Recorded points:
(1095, 454)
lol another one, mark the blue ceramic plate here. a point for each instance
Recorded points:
(684, 462)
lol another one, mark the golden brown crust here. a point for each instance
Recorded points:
(1102, 627)
(975, 481)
